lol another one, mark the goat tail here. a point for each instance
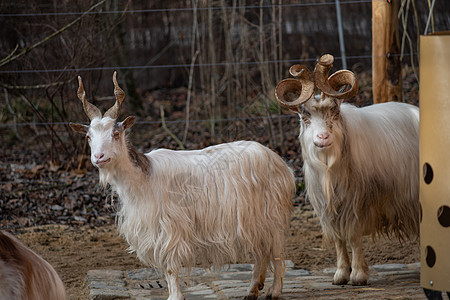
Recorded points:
(24, 275)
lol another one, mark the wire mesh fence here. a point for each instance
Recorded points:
(225, 56)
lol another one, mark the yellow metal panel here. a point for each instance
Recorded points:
(435, 161)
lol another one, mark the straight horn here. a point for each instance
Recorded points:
(113, 112)
(90, 109)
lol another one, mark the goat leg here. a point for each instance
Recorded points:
(258, 278)
(173, 286)
(342, 274)
(360, 269)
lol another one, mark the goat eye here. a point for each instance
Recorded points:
(116, 135)
(335, 111)
(306, 118)
(88, 138)
(305, 112)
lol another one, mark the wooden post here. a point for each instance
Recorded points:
(386, 66)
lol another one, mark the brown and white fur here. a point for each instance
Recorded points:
(361, 168)
(178, 208)
(24, 275)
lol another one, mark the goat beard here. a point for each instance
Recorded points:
(325, 161)
(322, 159)
(104, 178)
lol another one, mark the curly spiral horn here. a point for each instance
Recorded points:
(291, 92)
(342, 84)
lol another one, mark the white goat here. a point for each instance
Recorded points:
(24, 275)
(361, 165)
(212, 204)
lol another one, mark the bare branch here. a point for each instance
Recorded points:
(10, 58)
(188, 101)
(37, 86)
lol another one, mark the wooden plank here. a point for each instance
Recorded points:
(386, 66)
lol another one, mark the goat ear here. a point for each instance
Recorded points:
(296, 109)
(127, 123)
(338, 103)
(80, 128)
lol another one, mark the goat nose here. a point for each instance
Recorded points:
(323, 136)
(99, 155)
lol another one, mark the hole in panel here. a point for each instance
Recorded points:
(444, 215)
(430, 256)
(427, 173)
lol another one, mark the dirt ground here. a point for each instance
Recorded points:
(73, 250)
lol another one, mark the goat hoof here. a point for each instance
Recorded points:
(359, 278)
(251, 297)
(340, 282)
(359, 283)
(176, 298)
(272, 295)
(342, 276)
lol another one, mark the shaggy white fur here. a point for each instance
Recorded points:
(24, 275)
(213, 204)
(179, 208)
(363, 178)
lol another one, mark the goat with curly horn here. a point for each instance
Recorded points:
(361, 165)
